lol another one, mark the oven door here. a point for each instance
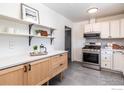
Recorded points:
(92, 58)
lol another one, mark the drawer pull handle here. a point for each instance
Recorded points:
(61, 64)
(61, 55)
(29, 67)
(25, 68)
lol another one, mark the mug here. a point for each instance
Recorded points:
(10, 30)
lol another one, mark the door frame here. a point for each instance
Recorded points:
(71, 39)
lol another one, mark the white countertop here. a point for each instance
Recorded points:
(21, 59)
(110, 49)
(118, 50)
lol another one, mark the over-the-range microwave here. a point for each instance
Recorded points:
(92, 35)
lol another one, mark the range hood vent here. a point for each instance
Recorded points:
(92, 35)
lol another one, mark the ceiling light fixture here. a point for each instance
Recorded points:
(92, 10)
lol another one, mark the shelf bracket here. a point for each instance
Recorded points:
(30, 26)
(30, 37)
(51, 40)
(51, 31)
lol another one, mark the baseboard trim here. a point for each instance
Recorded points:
(77, 61)
(110, 70)
(105, 69)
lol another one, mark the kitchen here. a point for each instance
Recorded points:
(33, 44)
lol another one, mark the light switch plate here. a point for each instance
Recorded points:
(11, 44)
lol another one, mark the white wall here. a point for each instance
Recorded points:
(78, 40)
(48, 17)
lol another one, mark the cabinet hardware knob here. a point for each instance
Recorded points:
(61, 64)
(25, 68)
(61, 55)
(29, 67)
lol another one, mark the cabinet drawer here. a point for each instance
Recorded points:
(106, 52)
(58, 70)
(106, 58)
(61, 67)
(57, 60)
(58, 64)
(106, 64)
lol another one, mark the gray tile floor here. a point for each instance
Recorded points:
(78, 75)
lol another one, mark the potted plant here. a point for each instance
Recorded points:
(38, 32)
(35, 48)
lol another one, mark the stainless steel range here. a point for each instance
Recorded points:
(91, 55)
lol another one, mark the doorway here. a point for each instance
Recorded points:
(68, 41)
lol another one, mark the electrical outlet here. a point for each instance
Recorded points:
(11, 44)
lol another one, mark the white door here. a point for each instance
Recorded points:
(118, 61)
(105, 33)
(115, 29)
(122, 29)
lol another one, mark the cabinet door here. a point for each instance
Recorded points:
(105, 33)
(115, 29)
(87, 28)
(122, 29)
(12, 76)
(38, 72)
(96, 27)
(118, 61)
(58, 64)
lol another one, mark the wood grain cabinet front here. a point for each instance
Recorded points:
(58, 64)
(34, 73)
(38, 72)
(12, 76)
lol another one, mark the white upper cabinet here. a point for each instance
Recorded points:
(122, 28)
(104, 30)
(115, 29)
(87, 28)
(108, 29)
(96, 27)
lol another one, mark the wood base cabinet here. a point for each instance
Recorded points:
(12, 76)
(58, 64)
(34, 73)
(38, 72)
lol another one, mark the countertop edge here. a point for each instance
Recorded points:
(21, 63)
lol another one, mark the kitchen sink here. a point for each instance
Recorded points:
(38, 53)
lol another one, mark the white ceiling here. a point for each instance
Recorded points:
(78, 11)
